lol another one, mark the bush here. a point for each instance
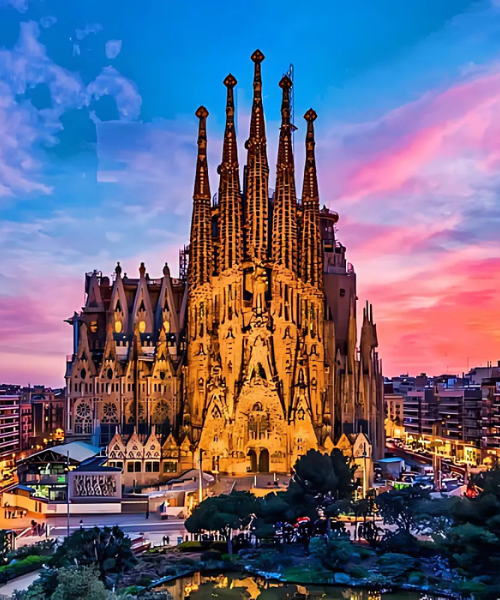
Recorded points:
(211, 555)
(43, 548)
(332, 552)
(395, 565)
(191, 546)
(416, 577)
(400, 541)
(358, 572)
(21, 567)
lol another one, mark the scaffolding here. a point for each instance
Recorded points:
(183, 263)
(290, 74)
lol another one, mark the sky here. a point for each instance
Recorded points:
(98, 147)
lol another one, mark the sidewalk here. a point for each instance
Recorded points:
(19, 583)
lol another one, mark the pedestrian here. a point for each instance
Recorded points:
(168, 540)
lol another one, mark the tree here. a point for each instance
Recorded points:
(223, 514)
(108, 548)
(472, 543)
(319, 480)
(79, 583)
(402, 507)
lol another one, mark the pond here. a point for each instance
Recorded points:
(236, 586)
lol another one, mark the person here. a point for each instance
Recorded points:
(168, 540)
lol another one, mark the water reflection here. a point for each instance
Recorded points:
(238, 586)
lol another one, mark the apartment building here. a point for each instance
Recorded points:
(9, 427)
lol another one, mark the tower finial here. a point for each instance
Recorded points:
(257, 173)
(142, 269)
(199, 270)
(285, 250)
(230, 201)
(201, 186)
(311, 268)
(118, 269)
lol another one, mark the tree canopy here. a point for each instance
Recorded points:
(222, 513)
(109, 549)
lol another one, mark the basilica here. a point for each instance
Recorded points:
(251, 356)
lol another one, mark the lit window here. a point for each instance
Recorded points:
(142, 326)
(118, 326)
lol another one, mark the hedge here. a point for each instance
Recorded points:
(21, 567)
(199, 546)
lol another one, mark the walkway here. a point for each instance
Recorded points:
(20, 583)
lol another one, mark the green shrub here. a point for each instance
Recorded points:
(211, 555)
(358, 572)
(365, 553)
(21, 567)
(219, 546)
(395, 565)
(43, 548)
(416, 577)
(188, 561)
(191, 546)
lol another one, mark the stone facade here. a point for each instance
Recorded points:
(255, 357)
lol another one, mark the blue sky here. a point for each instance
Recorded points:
(98, 139)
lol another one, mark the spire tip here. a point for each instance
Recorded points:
(310, 115)
(230, 81)
(257, 57)
(202, 112)
(286, 83)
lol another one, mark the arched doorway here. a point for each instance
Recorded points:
(253, 461)
(264, 461)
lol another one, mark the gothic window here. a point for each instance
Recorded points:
(83, 419)
(110, 373)
(83, 373)
(201, 383)
(257, 407)
(118, 326)
(109, 413)
(301, 414)
(142, 326)
(216, 414)
(301, 377)
(287, 333)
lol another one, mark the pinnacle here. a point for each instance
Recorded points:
(257, 56)
(286, 82)
(202, 112)
(310, 115)
(230, 81)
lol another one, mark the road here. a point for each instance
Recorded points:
(153, 527)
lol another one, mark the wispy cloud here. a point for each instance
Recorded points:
(113, 48)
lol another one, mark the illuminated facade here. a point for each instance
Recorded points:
(255, 357)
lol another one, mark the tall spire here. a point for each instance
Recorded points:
(229, 189)
(200, 249)
(311, 267)
(285, 199)
(256, 174)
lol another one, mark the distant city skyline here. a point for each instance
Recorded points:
(98, 147)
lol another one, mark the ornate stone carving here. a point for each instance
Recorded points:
(90, 485)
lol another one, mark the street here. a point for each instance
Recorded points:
(153, 527)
